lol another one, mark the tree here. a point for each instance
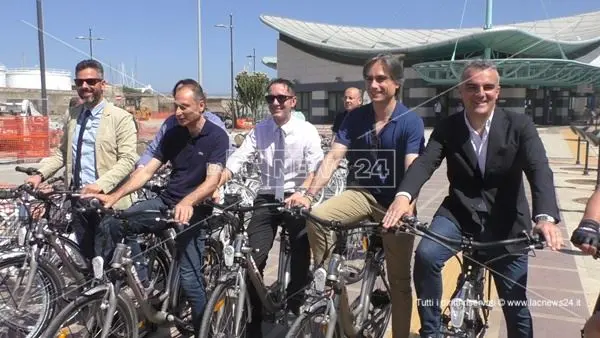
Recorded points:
(251, 89)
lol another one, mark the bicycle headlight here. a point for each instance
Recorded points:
(228, 254)
(319, 279)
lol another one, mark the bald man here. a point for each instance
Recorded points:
(352, 100)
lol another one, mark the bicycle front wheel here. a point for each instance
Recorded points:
(313, 324)
(219, 319)
(84, 317)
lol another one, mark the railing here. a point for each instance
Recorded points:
(584, 134)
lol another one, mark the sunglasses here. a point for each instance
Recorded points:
(90, 82)
(280, 98)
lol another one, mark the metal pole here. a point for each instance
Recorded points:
(487, 53)
(91, 48)
(200, 42)
(40, 22)
(231, 59)
(578, 151)
(587, 155)
(254, 60)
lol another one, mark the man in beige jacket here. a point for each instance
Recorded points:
(97, 156)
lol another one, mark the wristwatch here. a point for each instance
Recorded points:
(301, 190)
(545, 218)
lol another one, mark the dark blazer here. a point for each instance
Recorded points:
(495, 202)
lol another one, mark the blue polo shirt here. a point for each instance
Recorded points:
(190, 157)
(377, 161)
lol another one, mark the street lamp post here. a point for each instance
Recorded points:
(90, 38)
(200, 42)
(40, 22)
(230, 27)
(253, 57)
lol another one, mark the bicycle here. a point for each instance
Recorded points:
(164, 307)
(371, 311)
(41, 252)
(468, 310)
(231, 293)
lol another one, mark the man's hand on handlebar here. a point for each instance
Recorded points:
(107, 200)
(400, 207)
(297, 199)
(91, 189)
(551, 234)
(183, 212)
(587, 236)
(34, 180)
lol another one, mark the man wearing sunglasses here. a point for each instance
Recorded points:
(289, 152)
(380, 140)
(98, 150)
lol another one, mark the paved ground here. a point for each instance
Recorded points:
(562, 286)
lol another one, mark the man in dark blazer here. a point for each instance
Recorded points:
(486, 150)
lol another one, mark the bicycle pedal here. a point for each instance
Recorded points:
(380, 298)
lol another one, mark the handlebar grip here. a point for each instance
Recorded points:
(29, 170)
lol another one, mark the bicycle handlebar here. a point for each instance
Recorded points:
(412, 224)
(333, 224)
(29, 170)
(235, 208)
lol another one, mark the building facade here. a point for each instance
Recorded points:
(549, 69)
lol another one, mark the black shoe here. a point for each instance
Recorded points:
(254, 329)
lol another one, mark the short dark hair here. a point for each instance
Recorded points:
(479, 65)
(284, 82)
(85, 64)
(393, 65)
(190, 84)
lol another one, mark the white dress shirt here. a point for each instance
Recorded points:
(302, 156)
(480, 142)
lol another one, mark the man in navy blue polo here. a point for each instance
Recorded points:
(171, 122)
(380, 140)
(196, 149)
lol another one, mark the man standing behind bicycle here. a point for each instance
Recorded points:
(381, 139)
(487, 150)
(196, 149)
(289, 152)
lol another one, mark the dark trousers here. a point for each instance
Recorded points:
(261, 233)
(190, 246)
(84, 225)
(510, 277)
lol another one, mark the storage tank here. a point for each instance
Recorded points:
(29, 78)
(2, 76)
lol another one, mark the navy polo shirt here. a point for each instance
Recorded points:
(377, 161)
(190, 157)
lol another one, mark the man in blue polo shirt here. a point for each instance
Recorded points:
(171, 122)
(380, 140)
(196, 149)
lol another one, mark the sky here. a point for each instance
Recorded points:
(158, 39)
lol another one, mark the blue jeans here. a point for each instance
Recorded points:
(190, 247)
(430, 258)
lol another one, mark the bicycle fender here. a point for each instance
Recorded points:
(11, 255)
(96, 289)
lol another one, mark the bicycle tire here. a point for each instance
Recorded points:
(53, 286)
(125, 307)
(217, 301)
(307, 317)
(179, 303)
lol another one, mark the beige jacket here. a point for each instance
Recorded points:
(116, 153)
